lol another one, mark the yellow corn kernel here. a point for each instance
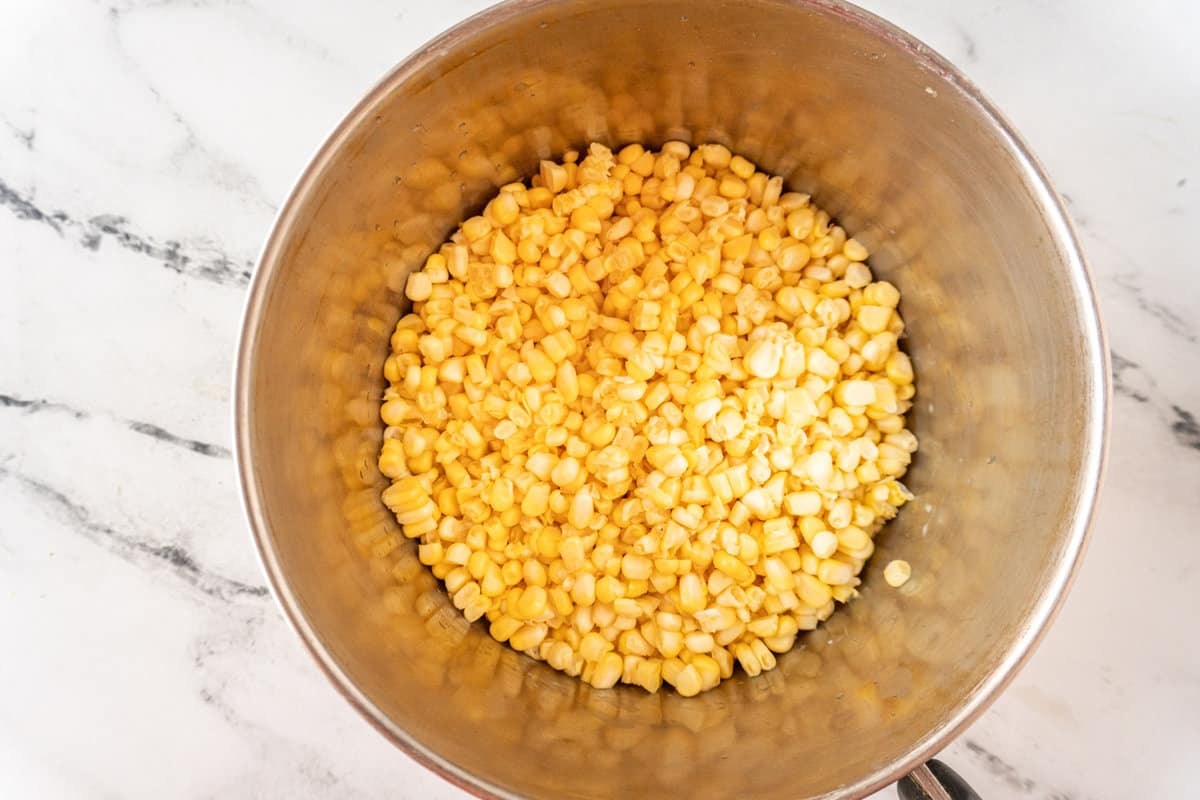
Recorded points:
(882, 294)
(582, 509)
(741, 167)
(534, 573)
(419, 287)
(854, 250)
(732, 567)
(492, 584)
(834, 572)
(531, 603)
(778, 575)
(899, 369)
(874, 319)
(811, 590)
(608, 589)
(692, 593)
(766, 659)
(779, 538)
(430, 554)
(648, 674)
(716, 619)
(502, 628)
(536, 501)
(512, 573)
(733, 187)
(688, 682)
(527, 637)
(593, 646)
(635, 567)
(608, 671)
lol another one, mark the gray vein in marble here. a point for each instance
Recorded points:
(217, 267)
(1185, 428)
(1000, 768)
(1133, 382)
(163, 435)
(139, 552)
(1173, 322)
(199, 260)
(1123, 371)
(206, 648)
(1010, 775)
(34, 406)
(25, 135)
(969, 45)
(145, 428)
(24, 208)
(226, 174)
(218, 681)
(281, 27)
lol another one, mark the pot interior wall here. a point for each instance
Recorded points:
(908, 162)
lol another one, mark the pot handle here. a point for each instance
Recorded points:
(933, 780)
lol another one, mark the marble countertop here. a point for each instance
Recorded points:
(144, 147)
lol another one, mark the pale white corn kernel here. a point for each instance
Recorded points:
(897, 573)
(824, 544)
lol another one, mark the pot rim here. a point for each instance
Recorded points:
(1065, 239)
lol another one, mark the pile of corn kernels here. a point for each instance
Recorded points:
(646, 416)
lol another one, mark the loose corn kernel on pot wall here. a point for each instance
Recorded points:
(646, 416)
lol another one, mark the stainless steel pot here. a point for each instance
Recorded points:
(1003, 329)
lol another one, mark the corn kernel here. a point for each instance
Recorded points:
(874, 319)
(528, 637)
(897, 573)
